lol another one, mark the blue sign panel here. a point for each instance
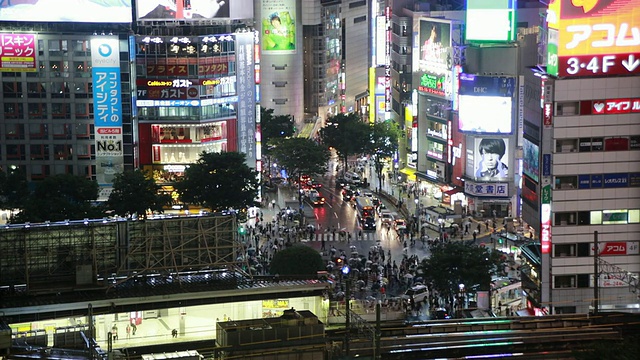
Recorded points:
(596, 181)
(546, 164)
(616, 180)
(584, 182)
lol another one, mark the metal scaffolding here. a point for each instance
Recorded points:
(49, 258)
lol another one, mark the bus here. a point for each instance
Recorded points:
(364, 206)
(366, 212)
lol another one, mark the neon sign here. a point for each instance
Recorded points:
(602, 38)
(615, 106)
(432, 84)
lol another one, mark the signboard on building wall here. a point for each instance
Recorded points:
(486, 189)
(278, 26)
(107, 105)
(485, 104)
(432, 46)
(246, 96)
(193, 10)
(595, 38)
(491, 20)
(545, 220)
(18, 52)
(87, 11)
(488, 159)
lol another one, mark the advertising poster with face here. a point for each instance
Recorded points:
(279, 26)
(434, 47)
(490, 159)
(87, 11)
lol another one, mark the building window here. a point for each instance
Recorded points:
(16, 152)
(13, 111)
(567, 108)
(11, 89)
(566, 145)
(38, 131)
(565, 218)
(15, 131)
(360, 19)
(565, 250)
(564, 281)
(63, 152)
(39, 152)
(566, 182)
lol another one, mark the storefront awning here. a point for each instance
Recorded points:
(455, 190)
(411, 173)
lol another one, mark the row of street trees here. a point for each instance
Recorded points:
(217, 181)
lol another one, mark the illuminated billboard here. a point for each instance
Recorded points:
(485, 104)
(278, 26)
(531, 160)
(87, 11)
(107, 104)
(593, 38)
(193, 10)
(432, 47)
(246, 106)
(491, 20)
(488, 159)
(18, 53)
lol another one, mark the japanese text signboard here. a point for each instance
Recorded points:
(594, 38)
(18, 53)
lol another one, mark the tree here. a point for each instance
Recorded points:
(455, 263)
(14, 189)
(296, 260)
(219, 181)
(383, 144)
(347, 134)
(61, 197)
(135, 192)
(274, 128)
(301, 156)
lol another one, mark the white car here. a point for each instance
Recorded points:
(386, 217)
(418, 293)
(400, 224)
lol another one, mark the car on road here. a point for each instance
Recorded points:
(341, 183)
(315, 198)
(314, 184)
(416, 294)
(386, 217)
(349, 193)
(400, 224)
(368, 223)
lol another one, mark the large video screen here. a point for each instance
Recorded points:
(485, 114)
(149, 10)
(531, 161)
(491, 20)
(489, 159)
(86, 11)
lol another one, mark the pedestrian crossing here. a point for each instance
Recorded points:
(343, 237)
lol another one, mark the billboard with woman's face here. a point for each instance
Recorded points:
(432, 52)
(278, 26)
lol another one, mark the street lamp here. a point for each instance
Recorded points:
(345, 271)
(417, 201)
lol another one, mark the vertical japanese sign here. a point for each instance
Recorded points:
(545, 220)
(107, 110)
(18, 53)
(246, 86)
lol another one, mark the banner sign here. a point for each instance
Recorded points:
(18, 52)
(486, 189)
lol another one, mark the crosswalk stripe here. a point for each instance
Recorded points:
(366, 236)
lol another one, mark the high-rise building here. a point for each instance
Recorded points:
(586, 165)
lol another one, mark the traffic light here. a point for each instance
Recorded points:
(241, 230)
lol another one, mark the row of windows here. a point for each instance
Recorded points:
(41, 110)
(46, 131)
(187, 113)
(39, 172)
(571, 281)
(597, 217)
(619, 143)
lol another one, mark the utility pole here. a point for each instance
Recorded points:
(596, 275)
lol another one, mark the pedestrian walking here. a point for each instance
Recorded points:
(174, 333)
(128, 329)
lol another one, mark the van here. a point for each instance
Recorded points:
(416, 294)
(353, 178)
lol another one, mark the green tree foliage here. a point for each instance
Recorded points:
(383, 144)
(296, 260)
(61, 197)
(301, 156)
(135, 192)
(275, 127)
(14, 189)
(346, 133)
(455, 263)
(219, 181)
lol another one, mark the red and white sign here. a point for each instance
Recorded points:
(18, 53)
(618, 248)
(545, 228)
(615, 106)
(596, 37)
(547, 114)
(109, 130)
(594, 65)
